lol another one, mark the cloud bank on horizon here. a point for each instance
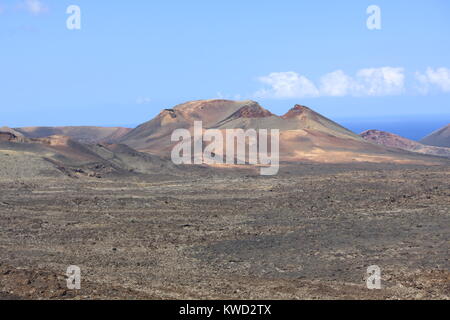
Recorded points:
(384, 81)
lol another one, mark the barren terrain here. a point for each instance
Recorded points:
(308, 233)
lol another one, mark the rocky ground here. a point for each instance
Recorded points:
(308, 233)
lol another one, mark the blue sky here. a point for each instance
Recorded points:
(133, 58)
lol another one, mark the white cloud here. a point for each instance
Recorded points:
(380, 81)
(35, 7)
(336, 84)
(367, 82)
(287, 85)
(439, 78)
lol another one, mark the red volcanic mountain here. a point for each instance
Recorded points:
(439, 138)
(154, 135)
(394, 141)
(305, 135)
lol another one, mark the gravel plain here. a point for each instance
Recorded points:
(308, 233)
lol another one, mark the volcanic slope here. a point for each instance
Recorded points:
(439, 138)
(395, 141)
(84, 134)
(154, 135)
(305, 135)
(61, 156)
